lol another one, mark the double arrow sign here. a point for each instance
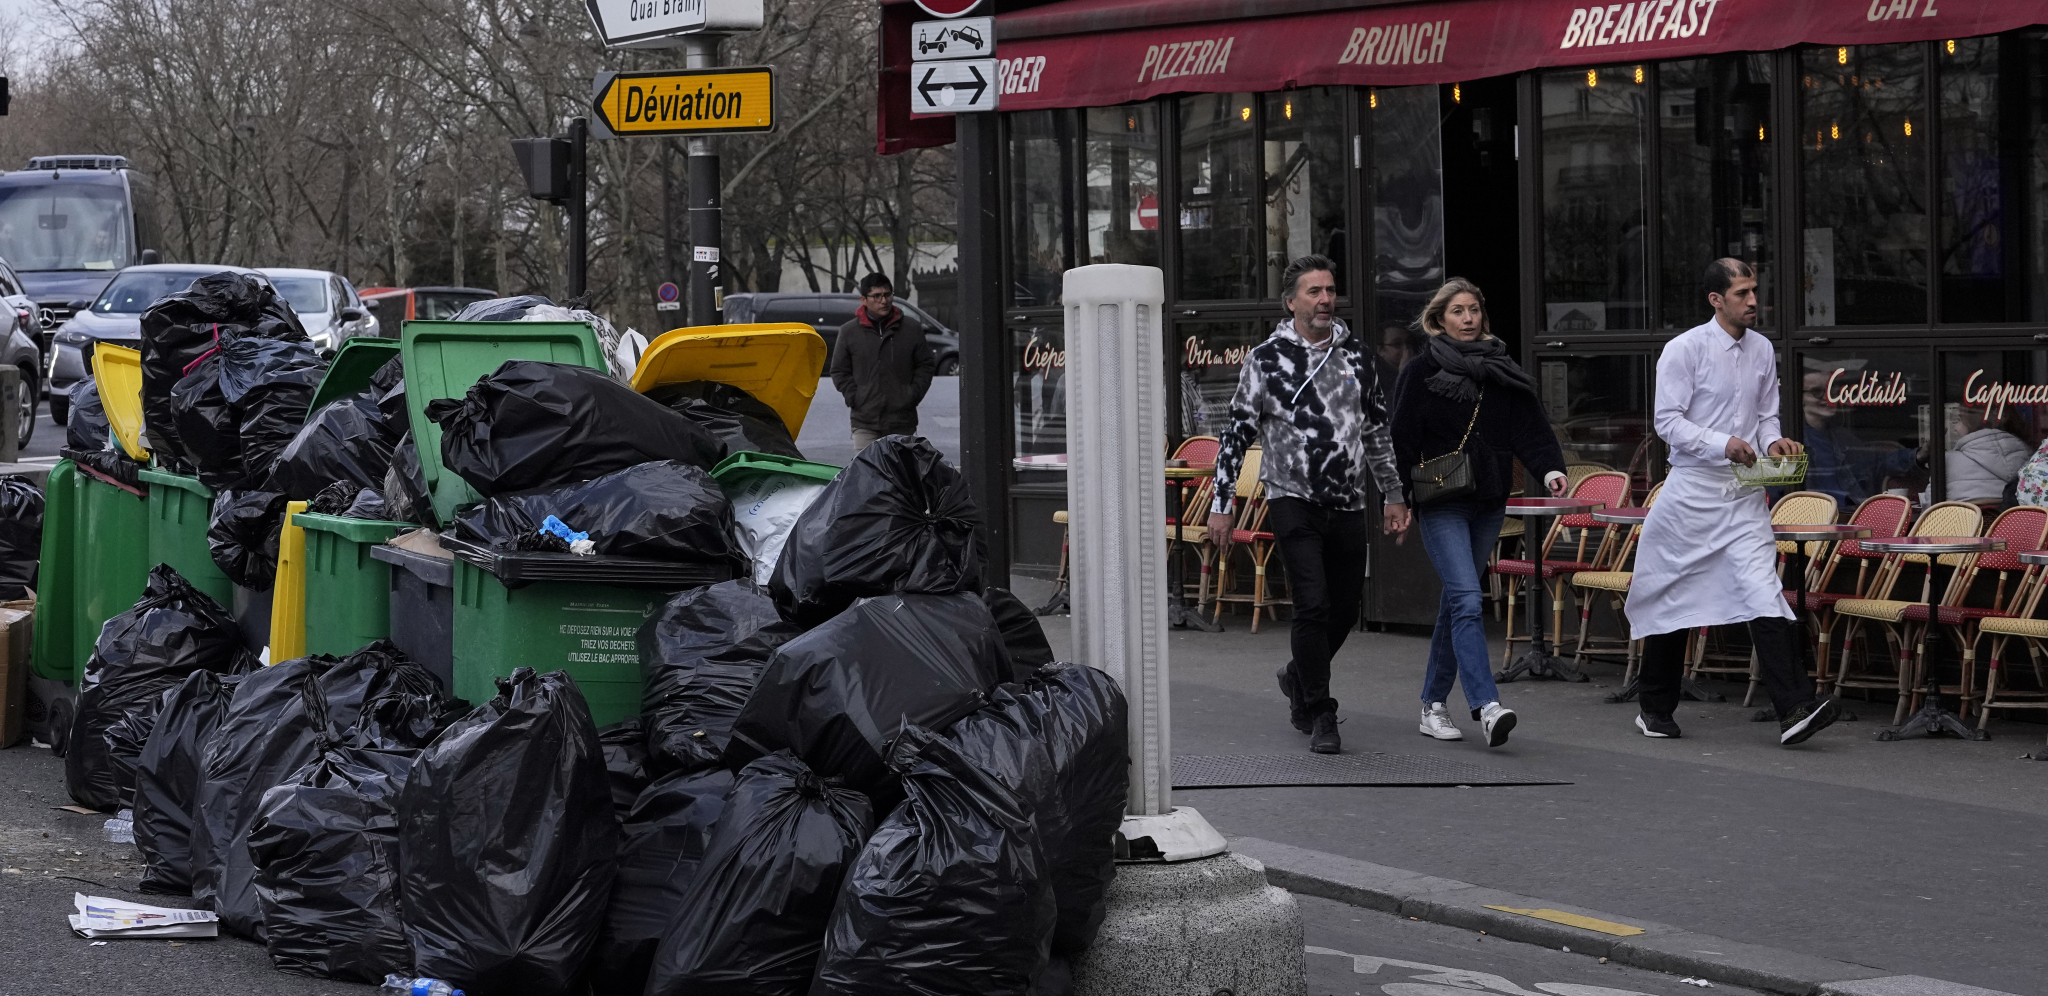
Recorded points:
(960, 77)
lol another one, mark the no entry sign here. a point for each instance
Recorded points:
(948, 8)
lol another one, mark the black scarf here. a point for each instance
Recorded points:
(1467, 365)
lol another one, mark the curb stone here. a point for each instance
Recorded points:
(1660, 947)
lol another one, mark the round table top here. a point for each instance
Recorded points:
(1552, 506)
(1622, 516)
(2034, 557)
(1185, 473)
(1818, 532)
(1935, 544)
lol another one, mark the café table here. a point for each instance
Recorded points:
(1799, 536)
(1538, 661)
(1932, 718)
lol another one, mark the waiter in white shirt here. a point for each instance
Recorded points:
(1707, 555)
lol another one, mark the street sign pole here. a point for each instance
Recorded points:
(579, 214)
(707, 218)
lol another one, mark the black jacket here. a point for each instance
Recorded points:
(1511, 425)
(883, 373)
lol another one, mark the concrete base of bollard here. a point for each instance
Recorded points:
(1195, 928)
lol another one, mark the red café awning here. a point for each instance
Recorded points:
(1391, 44)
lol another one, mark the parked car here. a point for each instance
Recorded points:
(393, 305)
(326, 303)
(23, 348)
(826, 312)
(115, 316)
(15, 300)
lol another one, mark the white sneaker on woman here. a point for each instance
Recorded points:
(1496, 720)
(1436, 722)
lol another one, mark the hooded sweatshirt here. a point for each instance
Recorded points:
(1320, 416)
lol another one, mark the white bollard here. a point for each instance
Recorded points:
(1184, 916)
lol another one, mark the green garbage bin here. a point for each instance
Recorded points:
(56, 581)
(348, 592)
(179, 509)
(110, 557)
(585, 629)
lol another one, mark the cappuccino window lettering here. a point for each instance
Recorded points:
(1994, 417)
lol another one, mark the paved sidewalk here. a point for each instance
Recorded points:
(1916, 858)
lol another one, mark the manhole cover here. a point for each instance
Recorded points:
(1264, 770)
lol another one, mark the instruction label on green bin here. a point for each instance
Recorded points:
(603, 644)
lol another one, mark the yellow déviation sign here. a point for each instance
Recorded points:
(687, 101)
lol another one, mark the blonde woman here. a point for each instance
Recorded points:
(1464, 393)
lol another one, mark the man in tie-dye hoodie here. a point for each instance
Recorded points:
(1310, 397)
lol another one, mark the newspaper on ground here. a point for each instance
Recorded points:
(99, 916)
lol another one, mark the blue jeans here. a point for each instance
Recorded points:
(1458, 541)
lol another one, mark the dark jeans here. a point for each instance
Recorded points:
(1324, 550)
(1777, 662)
(1459, 537)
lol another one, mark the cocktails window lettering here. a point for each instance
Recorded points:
(1869, 389)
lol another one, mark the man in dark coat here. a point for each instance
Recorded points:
(881, 365)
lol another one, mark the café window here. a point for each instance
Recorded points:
(1866, 420)
(1407, 212)
(1122, 170)
(1599, 406)
(1219, 224)
(1306, 160)
(1994, 416)
(1993, 196)
(1041, 206)
(1592, 181)
(1038, 387)
(1209, 356)
(1714, 147)
(1863, 160)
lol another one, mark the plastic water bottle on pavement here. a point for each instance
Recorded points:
(121, 829)
(399, 985)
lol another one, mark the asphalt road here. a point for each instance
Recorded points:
(827, 435)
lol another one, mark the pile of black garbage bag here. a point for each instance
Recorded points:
(863, 778)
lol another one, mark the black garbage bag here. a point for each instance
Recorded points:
(172, 631)
(838, 694)
(86, 427)
(270, 384)
(405, 486)
(324, 845)
(508, 842)
(21, 535)
(368, 504)
(207, 428)
(896, 519)
(951, 894)
(347, 441)
(701, 656)
(243, 533)
(500, 309)
(179, 329)
(753, 921)
(625, 761)
(1085, 728)
(665, 835)
(357, 683)
(332, 499)
(532, 425)
(275, 724)
(167, 778)
(1029, 649)
(662, 510)
(738, 420)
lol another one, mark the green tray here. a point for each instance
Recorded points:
(747, 462)
(350, 373)
(446, 359)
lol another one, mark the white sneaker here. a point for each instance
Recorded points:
(1436, 722)
(1496, 720)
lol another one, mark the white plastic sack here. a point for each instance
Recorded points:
(621, 349)
(765, 508)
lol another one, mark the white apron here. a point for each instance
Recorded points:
(1704, 560)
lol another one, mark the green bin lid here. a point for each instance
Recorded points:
(747, 462)
(353, 530)
(153, 475)
(445, 359)
(360, 357)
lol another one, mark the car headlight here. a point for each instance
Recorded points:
(72, 338)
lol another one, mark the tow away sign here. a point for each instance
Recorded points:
(953, 87)
(685, 101)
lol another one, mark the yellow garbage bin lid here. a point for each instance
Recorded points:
(118, 372)
(778, 364)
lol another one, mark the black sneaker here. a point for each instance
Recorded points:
(1806, 721)
(1323, 739)
(1657, 727)
(1292, 689)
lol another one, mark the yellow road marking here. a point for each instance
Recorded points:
(1575, 920)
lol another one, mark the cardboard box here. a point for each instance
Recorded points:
(17, 636)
